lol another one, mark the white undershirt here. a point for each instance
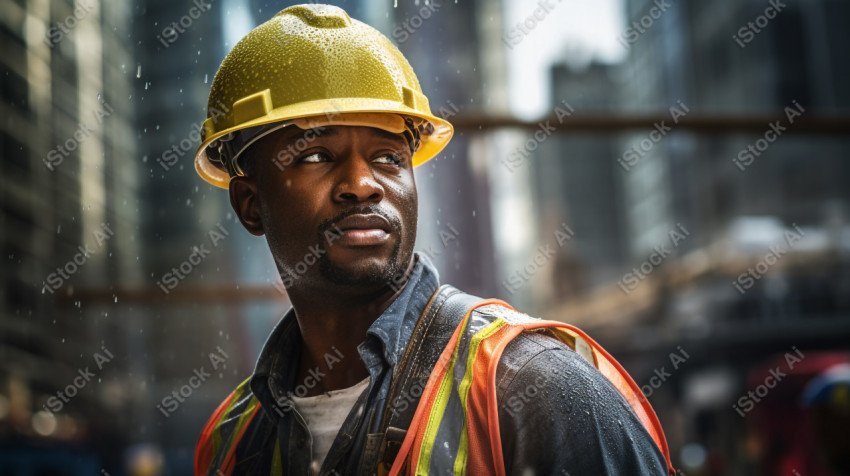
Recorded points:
(325, 414)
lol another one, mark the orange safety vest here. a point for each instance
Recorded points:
(456, 425)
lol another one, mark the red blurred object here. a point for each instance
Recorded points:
(780, 422)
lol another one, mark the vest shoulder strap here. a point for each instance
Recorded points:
(439, 319)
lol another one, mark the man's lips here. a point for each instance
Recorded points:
(358, 237)
(363, 230)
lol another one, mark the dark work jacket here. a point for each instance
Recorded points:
(558, 414)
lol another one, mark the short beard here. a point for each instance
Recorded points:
(371, 277)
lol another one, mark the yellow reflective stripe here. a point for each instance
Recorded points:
(216, 438)
(435, 417)
(277, 466)
(216, 435)
(246, 415)
(463, 390)
(244, 419)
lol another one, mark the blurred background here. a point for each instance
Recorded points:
(671, 176)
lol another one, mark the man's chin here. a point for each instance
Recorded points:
(368, 271)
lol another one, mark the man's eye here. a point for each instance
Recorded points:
(315, 157)
(393, 159)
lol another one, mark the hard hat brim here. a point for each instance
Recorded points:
(328, 109)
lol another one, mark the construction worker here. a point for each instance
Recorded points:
(315, 124)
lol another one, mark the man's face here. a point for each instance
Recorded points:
(338, 204)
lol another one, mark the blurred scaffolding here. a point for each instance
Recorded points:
(613, 166)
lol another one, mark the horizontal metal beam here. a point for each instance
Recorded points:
(184, 294)
(609, 123)
(595, 309)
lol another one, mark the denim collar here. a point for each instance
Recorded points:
(274, 374)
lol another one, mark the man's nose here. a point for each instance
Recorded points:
(357, 183)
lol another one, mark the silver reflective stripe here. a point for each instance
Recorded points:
(453, 424)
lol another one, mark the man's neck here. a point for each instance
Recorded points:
(333, 325)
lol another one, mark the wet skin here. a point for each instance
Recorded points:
(339, 217)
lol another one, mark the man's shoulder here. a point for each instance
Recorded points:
(534, 356)
(534, 351)
(551, 397)
(536, 361)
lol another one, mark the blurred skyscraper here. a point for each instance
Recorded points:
(70, 218)
(188, 228)
(458, 56)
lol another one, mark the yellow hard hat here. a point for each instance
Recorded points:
(314, 65)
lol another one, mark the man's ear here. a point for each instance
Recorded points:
(246, 203)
